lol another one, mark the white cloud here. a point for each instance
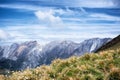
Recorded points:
(96, 3)
(48, 17)
(53, 32)
(104, 17)
(3, 35)
(94, 17)
(44, 35)
(18, 6)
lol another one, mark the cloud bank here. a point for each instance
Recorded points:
(3, 35)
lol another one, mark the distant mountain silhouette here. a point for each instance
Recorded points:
(114, 43)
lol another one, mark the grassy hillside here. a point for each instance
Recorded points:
(116, 46)
(102, 66)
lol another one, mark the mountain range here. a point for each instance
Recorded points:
(31, 54)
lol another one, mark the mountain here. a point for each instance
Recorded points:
(104, 65)
(113, 44)
(31, 54)
(20, 56)
(66, 49)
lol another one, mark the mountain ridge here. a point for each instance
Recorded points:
(31, 54)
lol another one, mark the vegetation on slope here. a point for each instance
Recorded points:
(102, 66)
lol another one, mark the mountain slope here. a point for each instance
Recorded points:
(113, 44)
(30, 54)
(90, 45)
(102, 66)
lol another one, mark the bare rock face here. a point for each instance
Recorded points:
(31, 54)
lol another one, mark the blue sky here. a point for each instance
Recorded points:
(49, 20)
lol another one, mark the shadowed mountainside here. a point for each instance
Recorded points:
(114, 43)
